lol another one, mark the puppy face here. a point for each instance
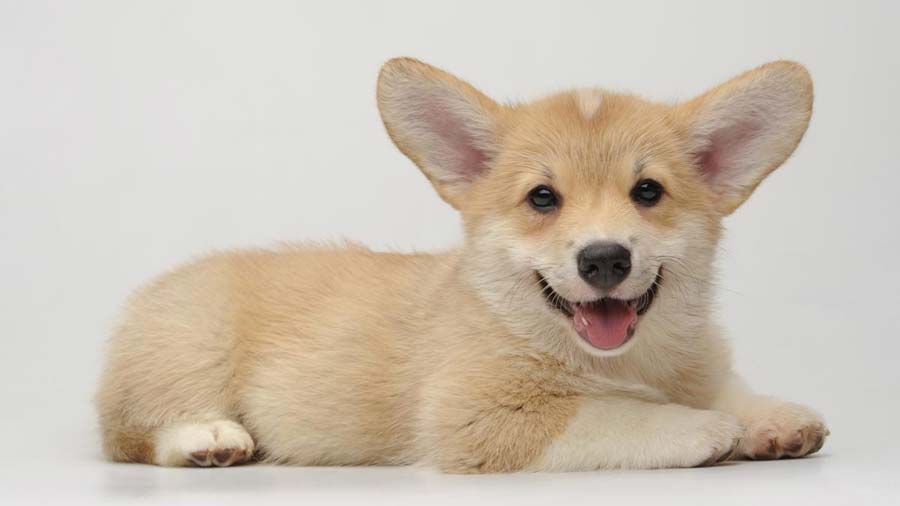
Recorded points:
(598, 203)
(592, 217)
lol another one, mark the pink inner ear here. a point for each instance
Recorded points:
(720, 161)
(459, 153)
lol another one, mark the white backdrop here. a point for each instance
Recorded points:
(136, 135)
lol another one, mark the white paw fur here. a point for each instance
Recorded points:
(220, 443)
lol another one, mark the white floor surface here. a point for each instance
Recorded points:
(66, 468)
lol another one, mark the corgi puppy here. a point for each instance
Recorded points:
(570, 331)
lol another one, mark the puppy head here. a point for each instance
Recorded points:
(592, 217)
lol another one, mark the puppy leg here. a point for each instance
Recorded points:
(775, 428)
(216, 443)
(631, 434)
(556, 431)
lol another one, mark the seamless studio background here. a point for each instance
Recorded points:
(136, 135)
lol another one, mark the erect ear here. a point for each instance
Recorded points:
(742, 130)
(444, 125)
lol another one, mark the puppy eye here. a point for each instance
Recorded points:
(543, 198)
(647, 192)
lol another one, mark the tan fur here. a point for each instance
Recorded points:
(128, 444)
(337, 355)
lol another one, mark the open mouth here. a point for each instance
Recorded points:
(605, 323)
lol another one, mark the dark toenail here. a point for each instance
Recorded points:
(222, 456)
(712, 460)
(772, 449)
(794, 446)
(820, 441)
(199, 457)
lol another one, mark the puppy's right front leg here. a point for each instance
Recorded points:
(622, 433)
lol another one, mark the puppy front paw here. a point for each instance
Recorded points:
(783, 430)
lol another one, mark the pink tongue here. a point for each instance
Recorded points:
(604, 324)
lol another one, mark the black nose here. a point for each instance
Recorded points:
(604, 264)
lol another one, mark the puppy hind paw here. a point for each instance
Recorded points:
(221, 443)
